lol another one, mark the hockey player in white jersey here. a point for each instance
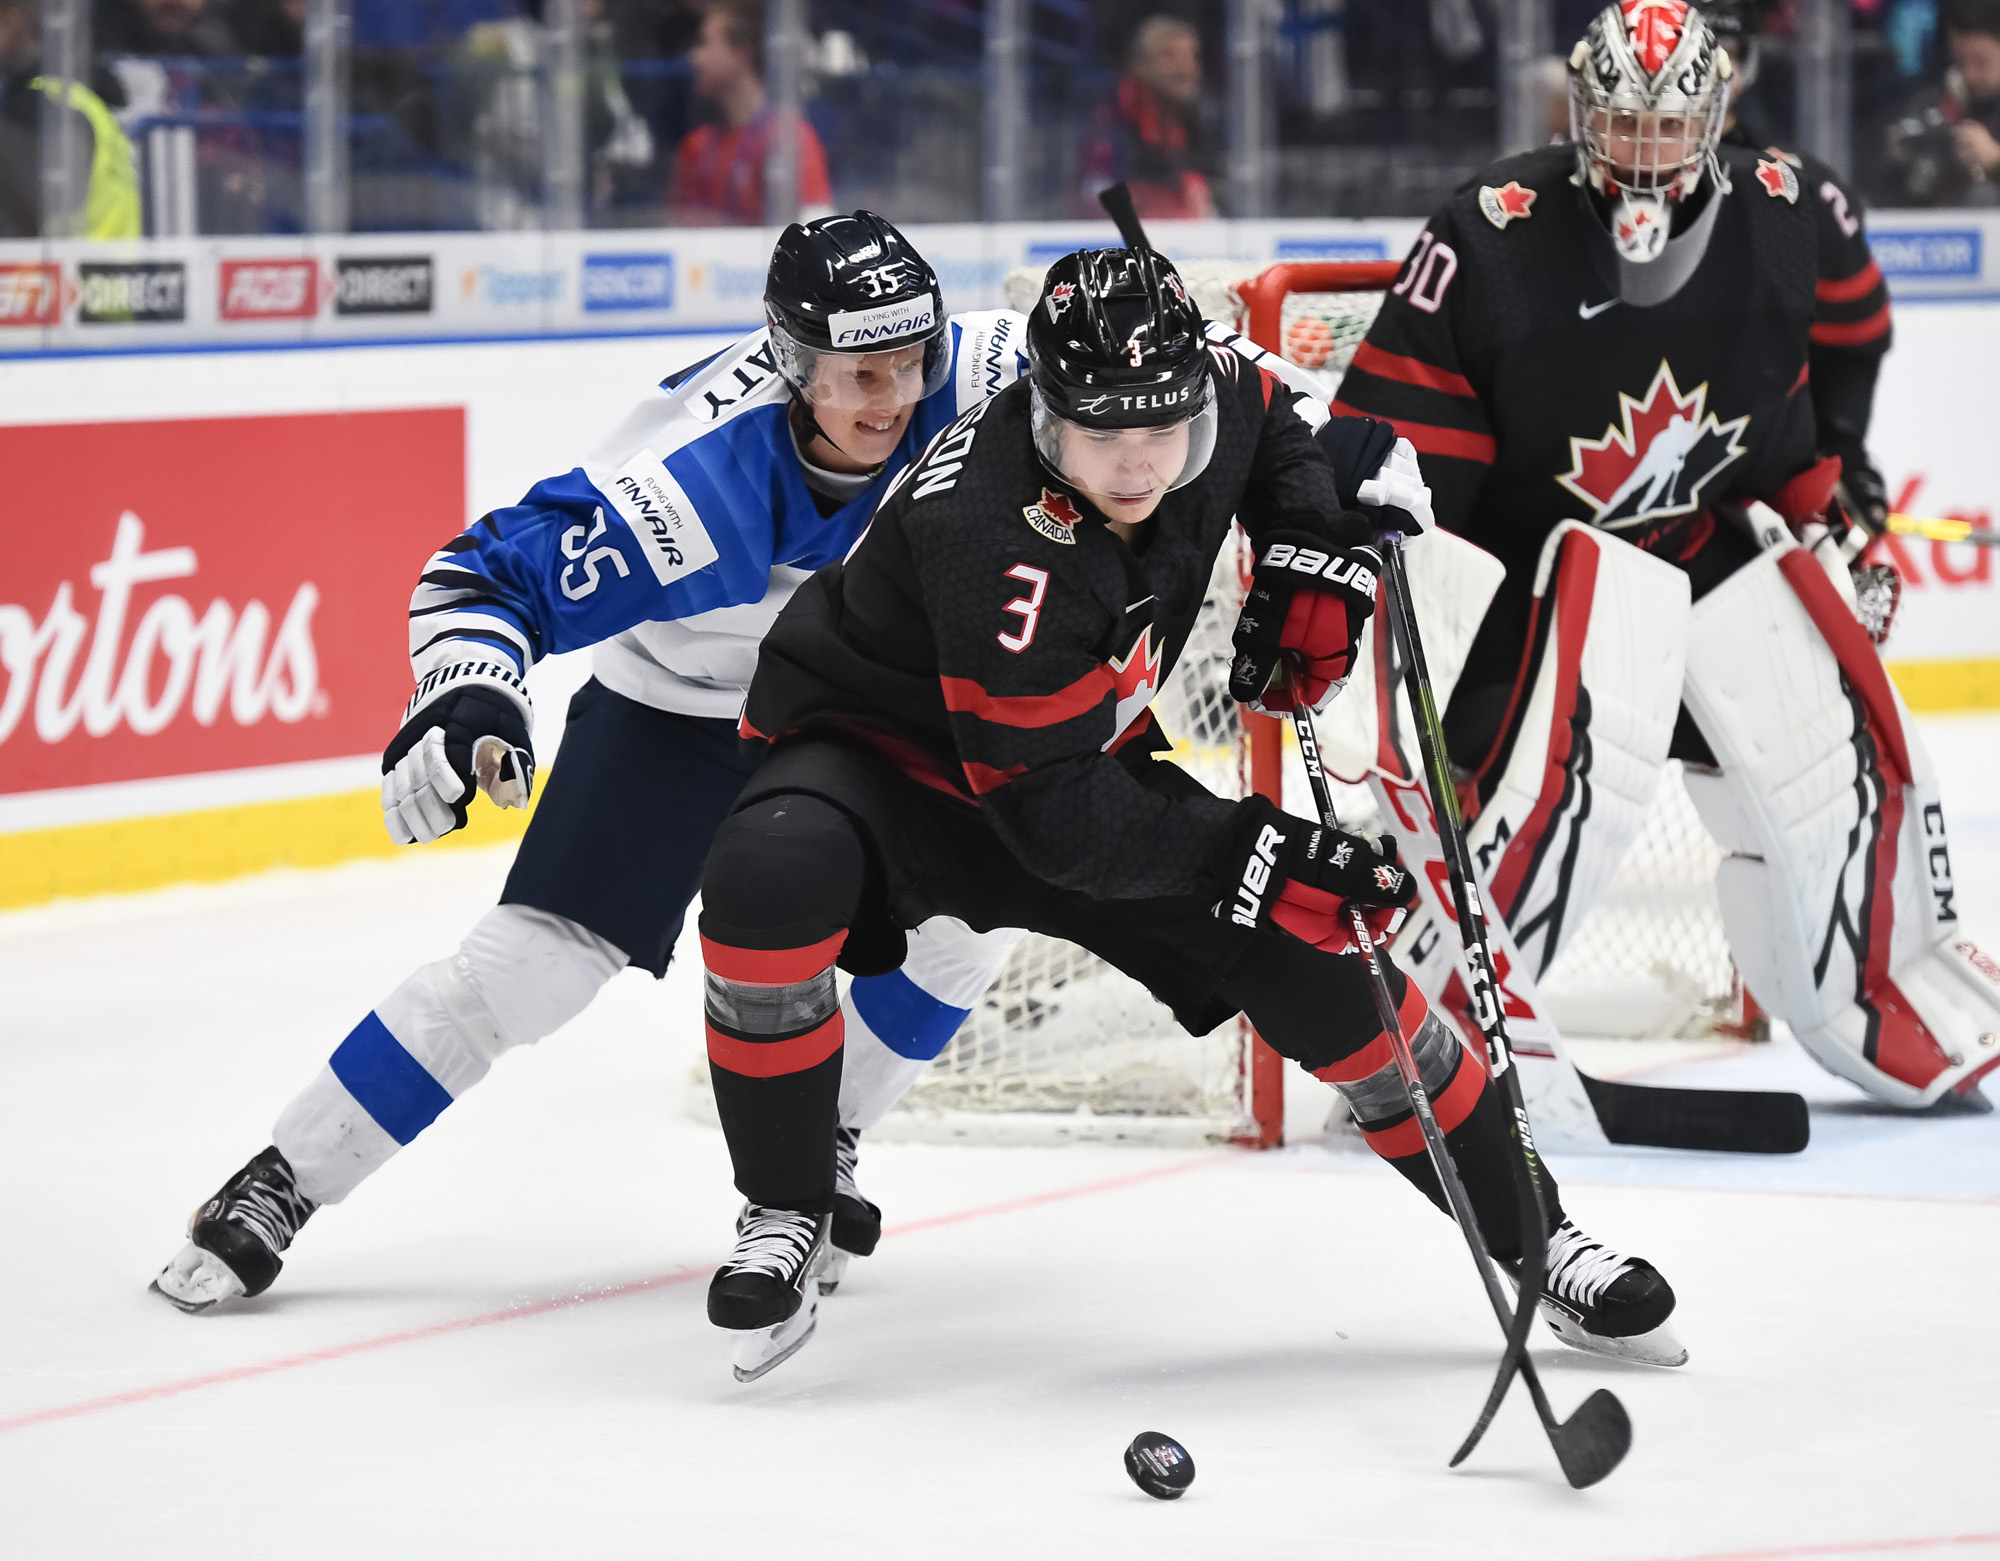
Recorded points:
(671, 550)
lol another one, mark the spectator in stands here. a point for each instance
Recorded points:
(719, 172)
(102, 176)
(1155, 135)
(272, 28)
(1945, 148)
(162, 28)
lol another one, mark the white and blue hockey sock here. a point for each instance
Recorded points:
(519, 975)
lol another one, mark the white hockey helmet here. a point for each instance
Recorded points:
(1648, 94)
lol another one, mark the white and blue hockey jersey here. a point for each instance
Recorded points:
(675, 544)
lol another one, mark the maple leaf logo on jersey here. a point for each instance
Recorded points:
(1779, 182)
(1505, 204)
(1136, 676)
(1054, 517)
(1668, 449)
(1059, 297)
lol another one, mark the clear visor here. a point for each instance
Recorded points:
(1650, 150)
(883, 381)
(1126, 463)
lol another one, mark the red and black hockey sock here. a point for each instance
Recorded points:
(782, 882)
(1467, 1107)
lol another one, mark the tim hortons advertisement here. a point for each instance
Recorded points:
(213, 594)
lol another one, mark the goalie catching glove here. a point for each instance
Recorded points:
(474, 736)
(1301, 621)
(1303, 877)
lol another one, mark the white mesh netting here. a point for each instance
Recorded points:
(1064, 1039)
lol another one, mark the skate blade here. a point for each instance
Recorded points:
(766, 1349)
(1661, 1347)
(196, 1281)
(833, 1270)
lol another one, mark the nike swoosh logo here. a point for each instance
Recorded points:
(1141, 602)
(1591, 312)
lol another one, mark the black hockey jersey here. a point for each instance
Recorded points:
(1534, 396)
(996, 641)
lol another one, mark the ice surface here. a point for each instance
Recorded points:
(496, 1348)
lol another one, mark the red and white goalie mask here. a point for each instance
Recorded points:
(1648, 93)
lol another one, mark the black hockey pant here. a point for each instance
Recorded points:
(786, 881)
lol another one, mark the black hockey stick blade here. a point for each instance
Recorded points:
(1594, 1440)
(1117, 200)
(1730, 1121)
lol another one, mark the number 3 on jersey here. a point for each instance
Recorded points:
(1028, 608)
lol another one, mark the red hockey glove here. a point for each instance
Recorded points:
(1302, 618)
(1302, 877)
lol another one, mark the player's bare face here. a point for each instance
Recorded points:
(1646, 151)
(1125, 472)
(864, 401)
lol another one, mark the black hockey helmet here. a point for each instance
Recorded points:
(854, 287)
(1116, 343)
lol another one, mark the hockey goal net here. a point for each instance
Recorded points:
(1065, 1047)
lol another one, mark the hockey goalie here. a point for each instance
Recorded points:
(1636, 377)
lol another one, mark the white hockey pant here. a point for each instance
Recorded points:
(1837, 895)
(522, 974)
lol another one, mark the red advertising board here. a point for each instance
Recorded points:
(31, 294)
(212, 594)
(268, 290)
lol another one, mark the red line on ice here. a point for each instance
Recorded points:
(1864, 1547)
(175, 1389)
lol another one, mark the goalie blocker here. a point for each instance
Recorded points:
(1837, 897)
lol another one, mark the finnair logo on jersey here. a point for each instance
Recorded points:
(852, 328)
(649, 501)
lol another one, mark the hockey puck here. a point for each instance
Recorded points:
(1159, 1465)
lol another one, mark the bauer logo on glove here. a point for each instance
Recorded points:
(1302, 619)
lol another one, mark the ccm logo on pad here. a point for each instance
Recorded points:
(1324, 566)
(649, 501)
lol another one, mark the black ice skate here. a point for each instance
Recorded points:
(857, 1223)
(769, 1287)
(234, 1239)
(1600, 1300)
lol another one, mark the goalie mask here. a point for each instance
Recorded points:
(1648, 94)
(1119, 391)
(856, 318)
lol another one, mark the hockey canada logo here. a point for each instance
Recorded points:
(1059, 297)
(1136, 676)
(1054, 517)
(1510, 202)
(1656, 462)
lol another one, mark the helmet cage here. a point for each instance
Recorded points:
(885, 376)
(1053, 428)
(1608, 81)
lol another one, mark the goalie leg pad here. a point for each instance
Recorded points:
(899, 1022)
(519, 975)
(1837, 896)
(1586, 738)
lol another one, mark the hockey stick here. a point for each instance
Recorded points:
(1592, 1442)
(1485, 987)
(1933, 529)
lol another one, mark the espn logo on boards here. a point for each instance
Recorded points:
(30, 295)
(268, 290)
(627, 282)
(146, 293)
(383, 284)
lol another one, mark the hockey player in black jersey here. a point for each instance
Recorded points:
(959, 719)
(1638, 371)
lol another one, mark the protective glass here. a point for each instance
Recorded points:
(894, 377)
(1126, 462)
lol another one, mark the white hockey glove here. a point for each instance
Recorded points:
(1375, 469)
(474, 736)
(1399, 484)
